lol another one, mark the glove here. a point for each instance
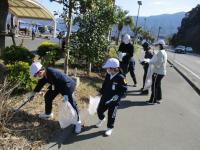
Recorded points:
(30, 95)
(147, 60)
(66, 98)
(113, 99)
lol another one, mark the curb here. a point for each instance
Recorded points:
(179, 69)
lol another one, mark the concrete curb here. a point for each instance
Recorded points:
(186, 75)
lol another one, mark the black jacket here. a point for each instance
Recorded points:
(62, 83)
(115, 86)
(128, 49)
(148, 55)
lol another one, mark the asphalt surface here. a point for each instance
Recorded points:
(192, 62)
(32, 45)
(187, 65)
(172, 125)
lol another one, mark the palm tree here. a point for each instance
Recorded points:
(121, 16)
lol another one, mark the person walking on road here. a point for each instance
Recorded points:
(159, 72)
(59, 84)
(113, 89)
(33, 32)
(126, 51)
(148, 55)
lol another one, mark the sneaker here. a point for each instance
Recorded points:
(159, 101)
(135, 85)
(149, 102)
(100, 122)
(108, 132)
(45, 116)
(78, 127)
(146, 92)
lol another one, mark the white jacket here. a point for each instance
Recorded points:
(160, 62)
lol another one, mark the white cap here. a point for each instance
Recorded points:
(126, 38)
(111, 63)
(34, 68)
(162, 42)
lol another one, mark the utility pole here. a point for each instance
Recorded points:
(145, 19)
(159, 32)
(139, 3)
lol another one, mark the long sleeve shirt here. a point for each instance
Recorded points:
(58, 81)
(160, 62)
(113, 86)
(128, 49)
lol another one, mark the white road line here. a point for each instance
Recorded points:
(194, 74)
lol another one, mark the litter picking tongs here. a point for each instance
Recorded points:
(28, 100)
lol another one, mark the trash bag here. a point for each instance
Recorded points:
(121, 56)
(67, 115)
(93, 104)
(148, 81)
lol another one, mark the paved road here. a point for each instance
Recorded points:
(172, 125)
(28, 42)
(190, 61)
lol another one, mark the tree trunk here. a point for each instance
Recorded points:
(3, 16)
(69, 26)
(117, 42)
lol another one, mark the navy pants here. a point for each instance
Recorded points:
(131, 69)
(49, 97)
(156, 94)
(112, 110)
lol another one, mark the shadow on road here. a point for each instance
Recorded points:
(64, 138)
(126, 103)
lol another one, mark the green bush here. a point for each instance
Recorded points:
(113, 52)
(49, 53)
(19, 73)
(136, 50)
(13, 54)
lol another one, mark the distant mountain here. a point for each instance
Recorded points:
(168, 23)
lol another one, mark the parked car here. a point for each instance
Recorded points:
(180, 49)
(189, 49)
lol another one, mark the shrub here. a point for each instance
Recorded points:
(113, 52)
(49, 53)
(13, 54)
(19, 73)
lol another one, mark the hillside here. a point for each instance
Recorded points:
(168, 22)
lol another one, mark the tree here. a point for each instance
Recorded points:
(91, 42)
(3, 16)
(190, 28)
(69, 7)
(120, 16)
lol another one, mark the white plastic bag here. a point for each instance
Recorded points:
(121, 55)
(148, 81)
(67, 115)
(93, 104)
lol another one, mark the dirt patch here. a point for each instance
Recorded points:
(25, 130)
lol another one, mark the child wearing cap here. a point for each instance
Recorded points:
(113, 88)
(59, 84)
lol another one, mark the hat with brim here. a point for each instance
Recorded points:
(34, 68)
(111, 63)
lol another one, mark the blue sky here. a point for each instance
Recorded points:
(148, 8)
